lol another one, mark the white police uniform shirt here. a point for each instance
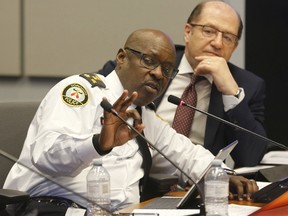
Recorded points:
(59, 144)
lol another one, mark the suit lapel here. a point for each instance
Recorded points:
(215, 108)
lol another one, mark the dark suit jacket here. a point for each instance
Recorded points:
(248, 114)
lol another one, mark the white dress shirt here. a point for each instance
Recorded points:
(59, 144)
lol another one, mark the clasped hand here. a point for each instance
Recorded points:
(217, 67)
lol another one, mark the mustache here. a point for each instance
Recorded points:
(154, 84)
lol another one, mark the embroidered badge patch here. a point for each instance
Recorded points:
(75, 95)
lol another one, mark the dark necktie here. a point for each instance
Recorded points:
(184, 115)
(147, 160)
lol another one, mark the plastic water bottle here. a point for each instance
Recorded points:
(98, 190)
(216, 190)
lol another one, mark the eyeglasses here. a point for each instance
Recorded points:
(151, 63)
(208, 31)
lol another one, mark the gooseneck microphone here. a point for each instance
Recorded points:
(108, 107)
(177, 101)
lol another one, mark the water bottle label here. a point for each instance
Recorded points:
(98, 188)
(216, 189)
(105, 188)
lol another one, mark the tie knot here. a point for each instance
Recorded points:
(195, 79)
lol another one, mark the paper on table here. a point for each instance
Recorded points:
(241, 210)
(164, 212)
(262, 184)
(275, 157)
(233, 210)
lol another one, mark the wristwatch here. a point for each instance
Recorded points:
(237, 95)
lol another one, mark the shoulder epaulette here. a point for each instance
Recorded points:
(93, 79)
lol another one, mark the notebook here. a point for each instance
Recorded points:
(190, 199)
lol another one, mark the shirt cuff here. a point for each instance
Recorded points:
(95, 141)
(230, 101)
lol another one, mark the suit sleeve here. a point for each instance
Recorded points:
(250, 115)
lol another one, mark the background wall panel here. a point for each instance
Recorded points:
(64, 37)
(10, 62)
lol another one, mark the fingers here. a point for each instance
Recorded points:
(217, 67)
(115, 131)
(243, 187)
(251, 188)
(123, 102)
(237, 186)
(205, 64)
(137, 124)
(120, 106)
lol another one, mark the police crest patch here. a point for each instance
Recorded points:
(75, 95)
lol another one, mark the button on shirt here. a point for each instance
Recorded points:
(59, 144)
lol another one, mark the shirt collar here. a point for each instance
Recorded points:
(114, 81)
(185, 68)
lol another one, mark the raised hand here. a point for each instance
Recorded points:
(114, 131)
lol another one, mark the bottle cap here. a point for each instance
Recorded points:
(217, 162)
(97, 161)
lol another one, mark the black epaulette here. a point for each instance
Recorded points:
(93, 79)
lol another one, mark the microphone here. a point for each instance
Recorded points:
(108, 107)
(177, 101)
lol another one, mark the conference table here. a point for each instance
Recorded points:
(129, 210)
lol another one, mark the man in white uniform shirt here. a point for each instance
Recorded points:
(70, 129)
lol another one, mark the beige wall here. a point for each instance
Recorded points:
(10, 37)
(64, 37)
(57, 38)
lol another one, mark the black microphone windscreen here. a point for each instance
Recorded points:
(106, 105)
(173, 99)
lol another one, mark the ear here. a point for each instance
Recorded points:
(121, 55)
(187, 32)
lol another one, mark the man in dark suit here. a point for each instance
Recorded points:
(211, 35)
